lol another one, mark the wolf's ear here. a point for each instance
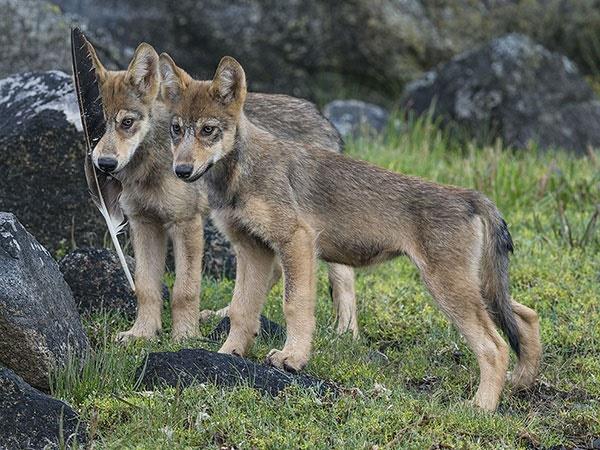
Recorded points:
(172, 78)
(229, 83)
(142, 72)
(100, 70)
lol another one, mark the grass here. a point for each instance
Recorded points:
(410, 375)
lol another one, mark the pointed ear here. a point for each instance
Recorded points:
(142, 72)
(172, 79)
(100, 70)
(229, 83)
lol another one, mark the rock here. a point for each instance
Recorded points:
(219, 258)
(268, 330)
(39, 323)
(41, 159)
(514, 89)
(98, 281)
(30, 419)
(34, 35)
(191, 366)
(354, 118)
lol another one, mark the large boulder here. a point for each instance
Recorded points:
(191, 366)
(514, 89)
(41, 161)
(39, 323)
(30, 419)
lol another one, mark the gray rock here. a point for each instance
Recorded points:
(191, 366)
(41, 159)
(354, 118)
(514, 89)
(39, 323)
(30, 419)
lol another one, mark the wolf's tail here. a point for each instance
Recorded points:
(494, 272)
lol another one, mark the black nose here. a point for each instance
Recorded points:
(184, 170)
(107, 164)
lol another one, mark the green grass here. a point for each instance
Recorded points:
(410, 375)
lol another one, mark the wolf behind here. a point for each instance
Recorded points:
(296, 201)
(135, 151)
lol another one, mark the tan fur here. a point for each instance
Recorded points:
(298, 201)
(158, 205)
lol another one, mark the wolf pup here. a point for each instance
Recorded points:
(295, 200)
(135, 150)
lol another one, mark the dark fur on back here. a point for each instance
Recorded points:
(291, 118)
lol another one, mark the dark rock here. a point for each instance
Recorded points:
(219, 258)
(39, 323)
(98, 281)
(268, 330)
(41, 161)
(30, 419)
(354, 118)
(514, 89)
(190, 366)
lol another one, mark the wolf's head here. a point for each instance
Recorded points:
(205, 114)
(127, 98)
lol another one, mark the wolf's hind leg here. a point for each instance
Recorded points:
(188, 244)
(458, 295)
(254, 271)
(149, 246)
(341, 280)
(528, 364)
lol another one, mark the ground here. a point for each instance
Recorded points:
(409, 377)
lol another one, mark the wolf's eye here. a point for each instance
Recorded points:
(126, 123)
(207, 130)
(176, 129)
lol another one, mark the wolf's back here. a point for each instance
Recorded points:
(292, 119)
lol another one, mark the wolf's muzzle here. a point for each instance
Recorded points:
(107, 164)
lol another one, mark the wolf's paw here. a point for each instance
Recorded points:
(287, 360)
(137, 332)
(232, 348)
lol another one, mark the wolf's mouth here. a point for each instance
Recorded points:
(199, 174)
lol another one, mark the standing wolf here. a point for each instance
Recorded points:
(297, 201)
(135, 150)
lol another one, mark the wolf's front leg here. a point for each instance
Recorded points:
(254, 271)
(149, 247)
(298, 258)
(188, 245)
